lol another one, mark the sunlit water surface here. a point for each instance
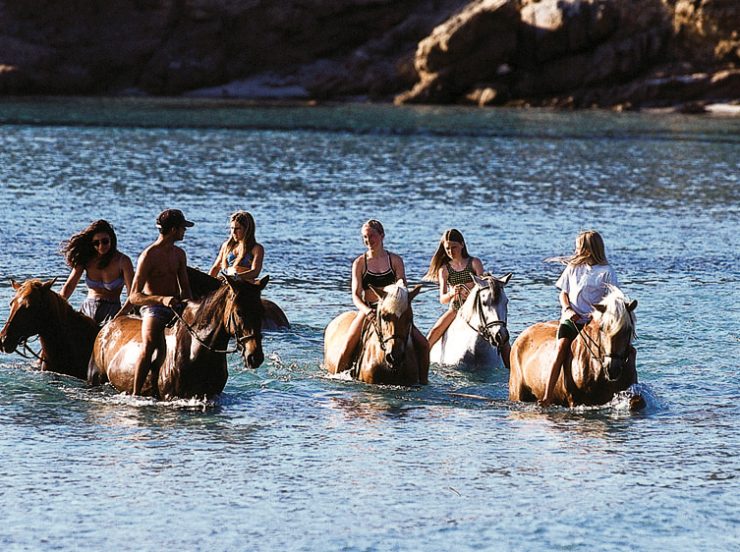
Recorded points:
(288, 458)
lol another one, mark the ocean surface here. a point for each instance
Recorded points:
(291, 459)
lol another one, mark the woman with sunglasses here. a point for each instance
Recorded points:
(94, 252)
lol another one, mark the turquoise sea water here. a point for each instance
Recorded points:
(290, 458)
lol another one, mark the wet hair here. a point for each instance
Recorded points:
(245, 219)
(440, 257)
(79, 250)
(589, 249)
(375, 225)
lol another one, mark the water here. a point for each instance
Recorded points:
(290, 458)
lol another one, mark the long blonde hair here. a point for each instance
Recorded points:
(440, 257)
(246, 220)
(589, 249)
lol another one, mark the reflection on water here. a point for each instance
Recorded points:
(289, 457)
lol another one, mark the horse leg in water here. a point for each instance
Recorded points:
(440, 327)
(152, 337)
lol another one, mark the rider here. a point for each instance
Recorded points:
(94, 252)
(453, 268)
(241, 254)
(379, 268)
(160, 283)
(583, 283)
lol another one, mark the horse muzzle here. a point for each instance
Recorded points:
(613, 368)
(7, 345)
(501, 336)
(254, 359)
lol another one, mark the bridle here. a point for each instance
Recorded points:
(601, 358)
(485, 327)
(379, 332)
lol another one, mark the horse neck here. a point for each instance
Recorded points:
(64, 332)
(585, 349)
(208, 318)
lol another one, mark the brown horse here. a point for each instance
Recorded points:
(601, 363)
(66, 335)
(202, 284)
(387, 354)
(195, 362)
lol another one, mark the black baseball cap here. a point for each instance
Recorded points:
(172, 218)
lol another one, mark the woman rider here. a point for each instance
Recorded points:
(94, 252)
(379, 268)
(240, 255)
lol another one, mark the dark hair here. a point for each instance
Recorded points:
(79, 250)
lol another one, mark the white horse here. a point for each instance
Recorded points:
(479, 329)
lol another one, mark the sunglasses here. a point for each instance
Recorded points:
(104, 241)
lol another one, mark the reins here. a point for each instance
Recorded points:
(601, 357)
(239, 340)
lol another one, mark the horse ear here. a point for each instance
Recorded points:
(15, 284)
(380, 292)
(414, 292)
(47, 285)
(230, 282)
(632, 305)
(262, 283)
(480, 282)
(505, 278)
(599, 307)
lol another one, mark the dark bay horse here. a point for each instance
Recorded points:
(387, 354)
(201, 284)
(66, 335)
(601, 363)
(195, 362)
(479, 329)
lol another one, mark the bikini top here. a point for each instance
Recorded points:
(115, 285)
(457, 277)
(245, 262)
(378, 279)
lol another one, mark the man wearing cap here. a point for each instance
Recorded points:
(160, 283)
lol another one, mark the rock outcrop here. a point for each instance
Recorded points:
(571, 53)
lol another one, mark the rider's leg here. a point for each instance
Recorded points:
(440, 327)
(353, 338)
(421, 347)
(152, 339)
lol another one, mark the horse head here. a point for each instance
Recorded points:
(243, 317)
(28, 310)
(614, 315)
(394, 320)
(486, 308)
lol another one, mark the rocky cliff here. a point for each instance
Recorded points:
(578, 53)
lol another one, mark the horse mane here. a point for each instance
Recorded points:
(58, 307)
(396, 301)
(466, 311)
(216, 302)
(617, 317)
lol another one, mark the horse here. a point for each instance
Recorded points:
(601, 362)
(194, 364)
(66, 335)
(202, 283)
(477, 333)
(386, 352)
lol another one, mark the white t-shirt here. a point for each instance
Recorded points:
(586, 286)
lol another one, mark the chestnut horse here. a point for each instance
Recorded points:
(202, 284)
(195, 362)
(66, 335)
(601, 363)
(479, 330)
(387, 354)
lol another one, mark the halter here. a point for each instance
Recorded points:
(588, 341)
(379, 331)
(485, 326)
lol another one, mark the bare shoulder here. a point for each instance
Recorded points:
(396, 260)
(477, 266)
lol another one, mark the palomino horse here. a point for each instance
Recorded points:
(195, 362)
(601, 363)
(387, 354)
(201, 284)
(479, 330)
(66, 335)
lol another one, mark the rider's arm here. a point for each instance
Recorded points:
(72, 281)
(445, 293)
(217, 263)
(398, 268)
(357, 294)
(182, 276)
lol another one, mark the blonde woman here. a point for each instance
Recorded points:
(584, 282)
(240, 255)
